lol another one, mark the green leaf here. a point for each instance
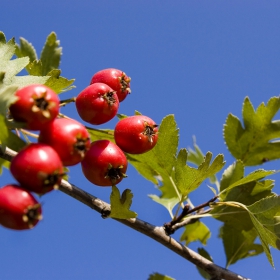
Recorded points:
(196, 231)
(25, 49)
(188, 178)
(101, 134)
(121, 116)
(157, 164)
(57, 83)
(22, 81)
(157, 276)
(265, 215)
(206, 255)
(34, 68)
(6, 98)
(239, 244)
(265, 218)
(120, 204)
(252, 177)
(4, 163)
(246, 194)
(2, 37)
(14, 142)
(231, 175)
(4, 131)
(14, 66)
(168, 203)
(253, 143)
(195, 156)
(51, 53)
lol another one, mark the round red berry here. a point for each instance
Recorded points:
(18, 208)
(69, 138)
(105, 163)
(37, 168)
(114, 78)
(36, 105)
(136, 134)
(97, 103)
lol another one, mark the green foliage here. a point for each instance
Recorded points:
(197, 157)
(4, 163)
(168, 203)
(48, 63)
(120, 204)
(157, 276)
(247, 206)
(188, 178)
(239, 244)
(156, 165)
(100, 134)
(196, 231)
(238, 192)
(11, 67)
(253, 143)
(206, 255)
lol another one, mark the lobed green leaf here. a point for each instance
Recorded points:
(254, 142)
(120, 204)
(188, 178)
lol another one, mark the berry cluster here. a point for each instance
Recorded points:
(39, 167)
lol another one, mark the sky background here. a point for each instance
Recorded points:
(195, 59)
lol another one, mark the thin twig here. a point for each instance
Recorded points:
(154, 232)
(169, 227)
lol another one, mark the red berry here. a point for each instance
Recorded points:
(18, 208)
(68, 138)
(114, 78)
(37, 168)
(105, 163)
(36, 106)
(136, 134)
(97, 103)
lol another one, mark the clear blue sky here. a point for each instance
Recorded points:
(195, 59)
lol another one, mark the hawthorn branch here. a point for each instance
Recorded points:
(154, 232)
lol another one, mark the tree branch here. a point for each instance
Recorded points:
(154, 232)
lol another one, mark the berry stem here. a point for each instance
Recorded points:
(67, 101)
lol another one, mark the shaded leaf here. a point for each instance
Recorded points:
(168, 203)
(265, 215)
(4, 163)
(101, 134)
(206, 255)
(6, 98)
(120, 204)
(4, 131)
(14, 142)
(253, 143)
(239, 244)
(196, 231)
